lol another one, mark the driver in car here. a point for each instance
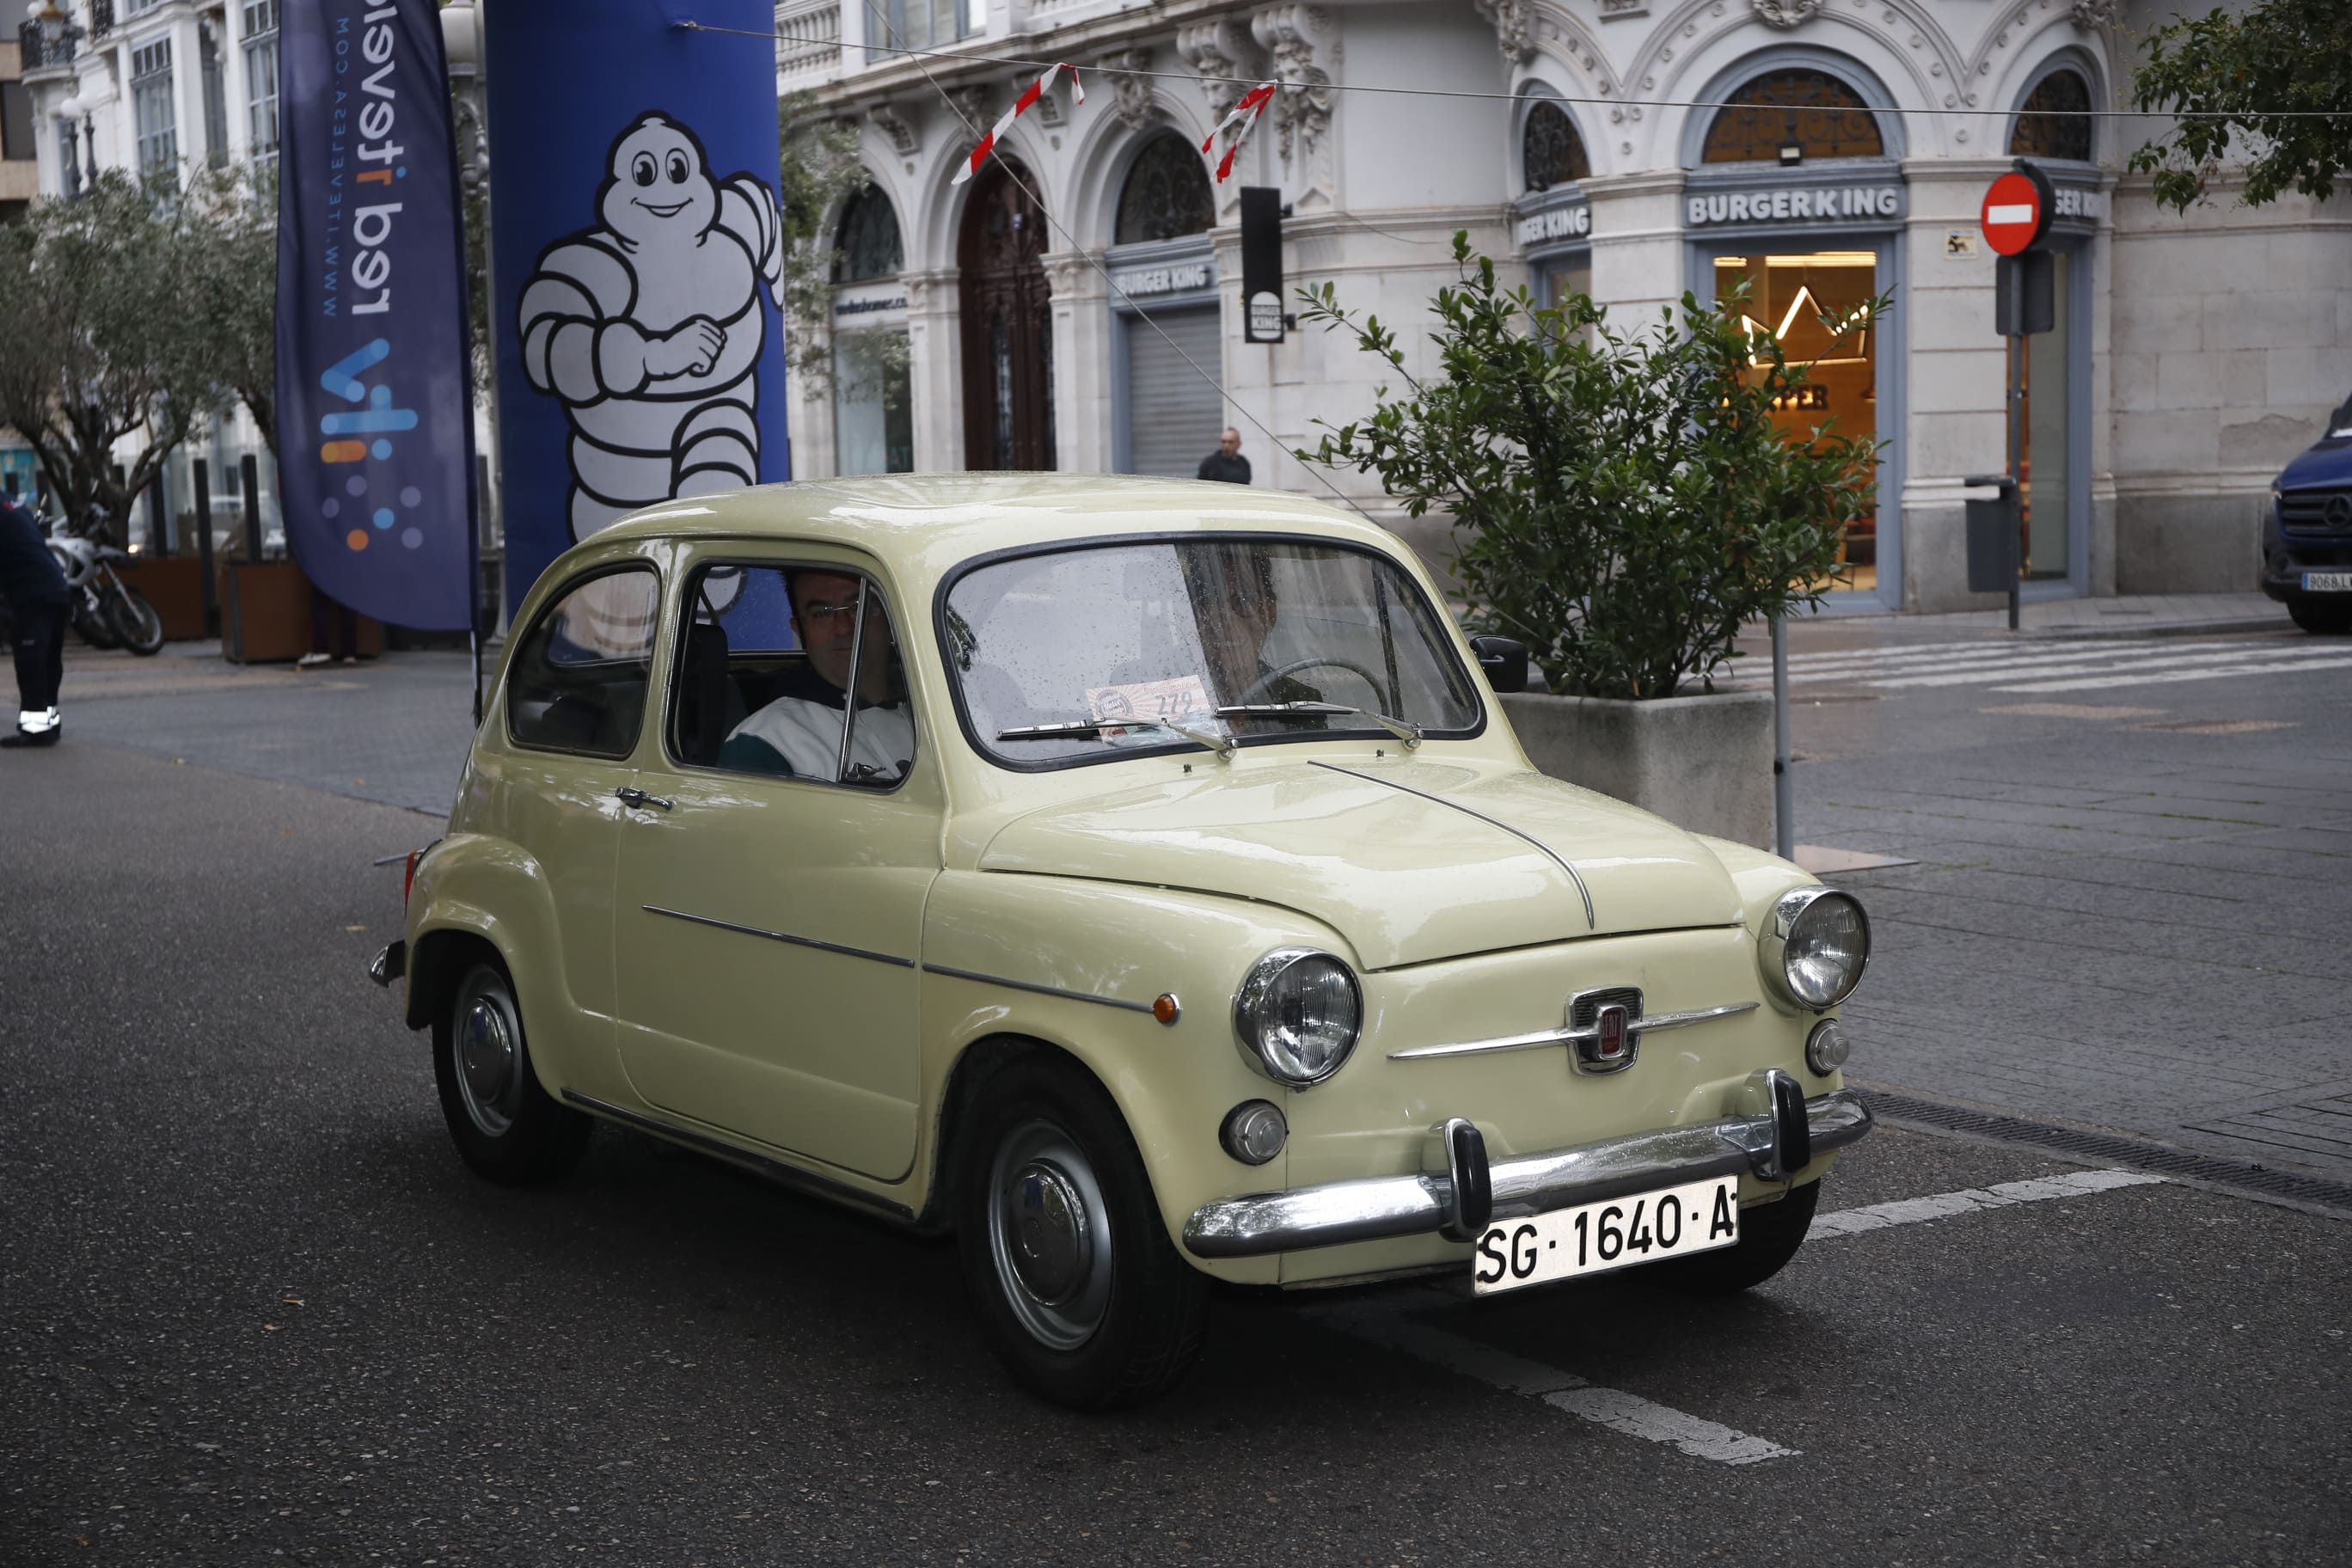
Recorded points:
(1238, 609)
(798, 734)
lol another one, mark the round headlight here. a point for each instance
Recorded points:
(1815, 944)
(1297, 1013)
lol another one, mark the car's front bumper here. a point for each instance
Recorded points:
(1773, 1133)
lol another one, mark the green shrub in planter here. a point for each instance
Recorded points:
(1620, 501)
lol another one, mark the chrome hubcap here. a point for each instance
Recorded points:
(1050, 1232)
(486, 1076)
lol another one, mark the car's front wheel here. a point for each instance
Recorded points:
(1067, 1259)
(1769, 1234)
(2325, 617)
(506, 1126)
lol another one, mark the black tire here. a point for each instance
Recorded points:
(1088, 1305)
(90, 622)
(1769, 1234)
(134, 622)
(505, 1125)
(2322, 617)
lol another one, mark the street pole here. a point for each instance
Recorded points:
(1784, 820)
(211, 589)
(250, 472)
(2017, 453)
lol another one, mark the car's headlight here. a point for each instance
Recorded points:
(1299, 1012)
(1815, 943)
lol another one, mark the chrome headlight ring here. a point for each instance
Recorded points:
(1272, 1043)
(1799, 933)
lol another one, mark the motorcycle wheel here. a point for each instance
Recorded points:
(91, 624)
(134, 622)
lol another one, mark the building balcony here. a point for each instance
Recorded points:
(808, 43)
(42, 54)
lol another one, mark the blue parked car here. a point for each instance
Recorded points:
(2307, 536)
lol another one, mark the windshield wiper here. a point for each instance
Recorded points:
(1222, 745)
(1409, 734)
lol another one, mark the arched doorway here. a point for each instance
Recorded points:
(1008, 328)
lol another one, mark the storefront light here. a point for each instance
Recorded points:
(1790, 153)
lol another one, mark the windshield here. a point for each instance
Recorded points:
(1178, 630)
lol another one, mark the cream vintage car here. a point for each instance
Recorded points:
(1172, 903)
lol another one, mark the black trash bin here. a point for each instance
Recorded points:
(1993, 536)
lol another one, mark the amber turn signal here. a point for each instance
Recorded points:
(1166, 1008)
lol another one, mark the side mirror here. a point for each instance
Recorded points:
(1505, 660)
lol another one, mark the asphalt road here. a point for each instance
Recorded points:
(256, 1310)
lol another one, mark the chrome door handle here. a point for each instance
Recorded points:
(632, 795)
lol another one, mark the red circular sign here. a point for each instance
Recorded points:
(2015, 214)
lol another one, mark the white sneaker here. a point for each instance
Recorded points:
(313, 660)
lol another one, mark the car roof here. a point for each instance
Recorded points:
(930, 522)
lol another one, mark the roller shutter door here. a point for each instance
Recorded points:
(1173, 414)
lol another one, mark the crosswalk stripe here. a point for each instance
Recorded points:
(2077, 664)
(1894, 651)
(1986, 657)
(2094, 683)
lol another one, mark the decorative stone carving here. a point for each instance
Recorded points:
(1222, 48)
(1514, 26)
(973, 108)
(1295, 36)
(1131, 102)
(2095, 15)
(904, 140)
(1784, 13)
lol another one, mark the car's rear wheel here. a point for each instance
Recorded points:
(1769, 1235)
(1067, 1262)
(505, 1125)
(2327, 617)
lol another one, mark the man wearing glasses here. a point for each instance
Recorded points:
(798, 734)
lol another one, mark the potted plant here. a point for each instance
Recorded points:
(1623, 503)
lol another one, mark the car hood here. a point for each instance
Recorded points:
(1410, 860)
(2327, 464)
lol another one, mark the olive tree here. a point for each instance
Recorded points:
(104, 346)
(1622, 502)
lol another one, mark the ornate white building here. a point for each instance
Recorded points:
(977, 329)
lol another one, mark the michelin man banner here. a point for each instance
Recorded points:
(637, 254)
(375, 429)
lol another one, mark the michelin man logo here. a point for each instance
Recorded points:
(648, 326)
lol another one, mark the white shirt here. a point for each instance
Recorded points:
(808, 734)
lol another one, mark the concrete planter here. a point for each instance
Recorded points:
(1701, 762)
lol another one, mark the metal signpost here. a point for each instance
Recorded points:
(2015, 219)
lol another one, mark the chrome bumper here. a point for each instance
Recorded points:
(1763, 1136)
(391, 964)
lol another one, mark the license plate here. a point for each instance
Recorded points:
(1594, 1238)
(2327, 582)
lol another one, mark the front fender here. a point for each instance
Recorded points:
(473, 885)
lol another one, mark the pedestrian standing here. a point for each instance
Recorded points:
(1226, 462)
(35, 588)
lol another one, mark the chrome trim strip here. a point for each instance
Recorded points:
(1590, 919)
(1040, 990)
(1379, 1208)
(780, 936)
(766, 1165)
(1568, 1036)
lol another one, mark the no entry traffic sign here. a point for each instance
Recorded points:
(2017, 210)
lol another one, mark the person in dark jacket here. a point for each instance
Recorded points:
(1226, 462)
(35, 586)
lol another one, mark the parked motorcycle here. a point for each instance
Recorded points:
(107, 612)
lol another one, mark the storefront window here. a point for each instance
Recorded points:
(872, 402)
(1166, 196)
(2053, 123)
(1550, 152)
(1816, 307)
(2049, 510)
(1810, 111)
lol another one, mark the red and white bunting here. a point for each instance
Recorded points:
(1252, 105)
(1036, 91)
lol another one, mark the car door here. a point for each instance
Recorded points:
(574, 703)
(769, 921)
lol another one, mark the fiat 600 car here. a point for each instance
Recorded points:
(1137, 880)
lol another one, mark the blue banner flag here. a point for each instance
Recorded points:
(376, 425)
(637, 250)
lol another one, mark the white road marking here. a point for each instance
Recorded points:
(1971, 1200)
(2201, 656)
(1390, 1328)
(2098, 683)
(1892, 650)
(1981, 654)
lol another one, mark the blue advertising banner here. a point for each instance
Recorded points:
(636, 250)
(375, 428)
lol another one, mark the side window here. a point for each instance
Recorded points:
(768, 658)
(577, 681)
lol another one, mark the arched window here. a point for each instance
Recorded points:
(867, 238)
(1166, 196)
(2051, 123)
(1808, 109)
(1550, 152)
